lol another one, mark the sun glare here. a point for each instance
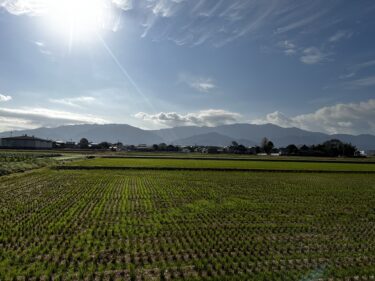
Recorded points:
(77, 19)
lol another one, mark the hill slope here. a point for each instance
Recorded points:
(95, 133)
(213, 139)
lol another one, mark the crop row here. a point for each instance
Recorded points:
(97, 225)
(223, 164)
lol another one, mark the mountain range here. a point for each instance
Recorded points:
(246, 134)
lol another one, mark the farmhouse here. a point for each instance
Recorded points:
(25, 142)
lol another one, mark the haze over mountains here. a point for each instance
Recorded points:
(246, 134)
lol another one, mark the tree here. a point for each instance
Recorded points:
(83, 143)
(349, 149)
(241, 149)
(104, 145)
(162, 146)
(292, 149)
(266, 145)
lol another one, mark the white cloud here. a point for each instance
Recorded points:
(4, 98)
(75, 102)
(341, 34)
(351, 118)
(201, 84)
(124, 4)
(313, 55)
(26, 118)
(24, 7)
(210, 117)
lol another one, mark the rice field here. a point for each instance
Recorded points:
(186, 225)
(223, 164)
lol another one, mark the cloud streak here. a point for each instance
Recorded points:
(75, 102)
(339, 35)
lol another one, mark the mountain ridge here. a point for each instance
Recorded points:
(248, 134)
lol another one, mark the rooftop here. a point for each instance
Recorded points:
(26, 137)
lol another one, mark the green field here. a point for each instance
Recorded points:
(12, 162)
(223, 164)
(186, 225)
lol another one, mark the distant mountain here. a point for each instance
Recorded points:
(214, 139)
(95, 133)
(173, 134)
(364, 141)
(246, 134)
(254, 134)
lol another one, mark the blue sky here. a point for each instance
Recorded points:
(165, 63)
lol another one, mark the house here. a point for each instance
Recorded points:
(25, 142)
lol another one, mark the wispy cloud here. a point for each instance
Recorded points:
(43, 48)
(125, 5)
(39, 44)
(301, 22)
(313, 55)
(288, 46)
(351, 118)
(363, 65)
(357, 68)
(75, 102)
(347, 76)
(363, 82)
(194, 23)
(339, 35)
(201, 84)
(4, 98)
(42, 117)
(210, 117)
(10, 124)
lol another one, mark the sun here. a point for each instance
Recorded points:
(77, 19)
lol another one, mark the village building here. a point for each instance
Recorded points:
(25, 142)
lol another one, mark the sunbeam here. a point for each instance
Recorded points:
(125, 72)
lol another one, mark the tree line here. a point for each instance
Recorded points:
(330, 148)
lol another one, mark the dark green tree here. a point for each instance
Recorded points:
(266, 145)
(292, 149)
(83, 143)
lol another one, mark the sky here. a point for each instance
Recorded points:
(165, 63)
